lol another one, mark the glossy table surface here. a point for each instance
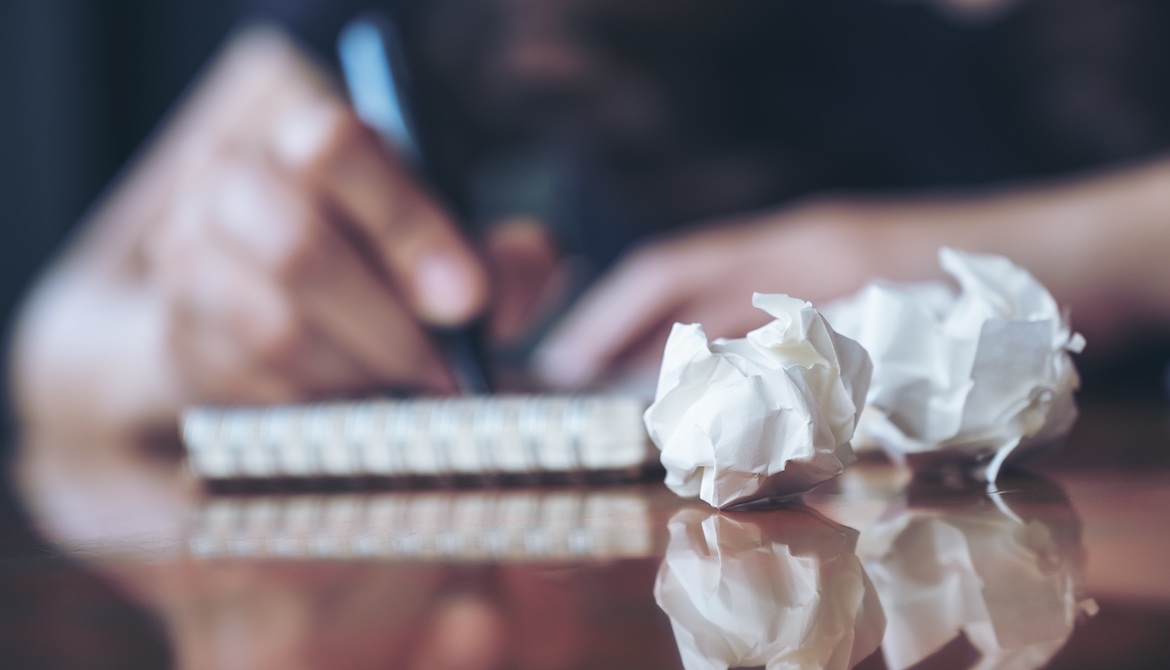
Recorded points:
(119, 561)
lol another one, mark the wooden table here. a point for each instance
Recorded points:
(123, 563)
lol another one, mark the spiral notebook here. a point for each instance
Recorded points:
(485, 436)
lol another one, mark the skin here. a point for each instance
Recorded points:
(267, 248)
(1096, 242)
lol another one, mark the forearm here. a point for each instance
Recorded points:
(1099, 243)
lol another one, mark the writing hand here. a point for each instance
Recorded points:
(267, 248)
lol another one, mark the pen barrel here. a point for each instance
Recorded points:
(373, 63)
(465, 351)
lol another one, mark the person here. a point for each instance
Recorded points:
(267, 248)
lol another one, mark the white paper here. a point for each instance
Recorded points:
(762, 418)
(974, 378)
(1011, 586)
(782, 590)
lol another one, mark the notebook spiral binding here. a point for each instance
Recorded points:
(492, 435)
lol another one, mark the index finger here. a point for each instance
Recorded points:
(410, 238)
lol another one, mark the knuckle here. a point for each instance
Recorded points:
(318, 135)
(167, 246)
(299, 252)
(182, 276)
(279, 338)
(165, 251)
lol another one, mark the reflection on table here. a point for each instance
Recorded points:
(874, 571)
(524, 578)
(443, 526)
(778, 589)
(999, 574)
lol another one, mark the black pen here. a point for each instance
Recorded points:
(376, 75)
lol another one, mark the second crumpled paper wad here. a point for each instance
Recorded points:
(782, 589)
(966, 381)
(762, 418)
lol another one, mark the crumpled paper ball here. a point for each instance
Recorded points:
(782, 590)
(762, 418)
(969, 380)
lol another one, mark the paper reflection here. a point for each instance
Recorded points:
(776, 589)
(1002, 571)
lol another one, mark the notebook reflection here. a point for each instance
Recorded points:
(542, 579)
(428, 579)
(776, 589)
(443, 526)
(992, 579)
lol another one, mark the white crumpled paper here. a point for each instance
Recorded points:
(762, 418)
(1010, 585)
(782, 590)
(972, 379)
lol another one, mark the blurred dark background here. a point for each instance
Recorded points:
(666, 111)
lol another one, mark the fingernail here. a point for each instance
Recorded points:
(448, 291)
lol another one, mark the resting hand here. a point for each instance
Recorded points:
(1097, 243)
(708, 275)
